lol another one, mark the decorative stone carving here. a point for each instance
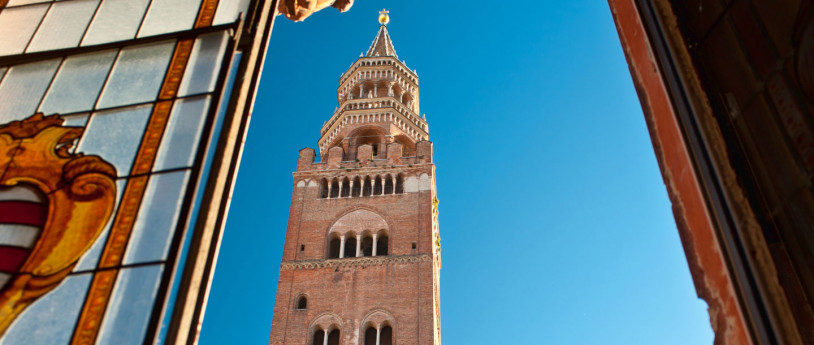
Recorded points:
(298, 10)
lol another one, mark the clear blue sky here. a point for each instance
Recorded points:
(555, 222)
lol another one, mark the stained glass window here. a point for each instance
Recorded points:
(133, 114)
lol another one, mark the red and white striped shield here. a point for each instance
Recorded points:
(23, 209)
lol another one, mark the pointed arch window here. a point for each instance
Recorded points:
(357, 187)
(334, 248)
(367, 188)
(367, 245)
(379, 336)
(345, 188)
(399, 184)
(382, 243)
(323, 188)
(325, 337)
(334, 188)
(350, 246)
(388, 184)
(377, 186)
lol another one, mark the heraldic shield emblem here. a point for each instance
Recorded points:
(53, 205)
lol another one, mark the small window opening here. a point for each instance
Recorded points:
(333, 252)
(334, 188)
(345, 187)
(333, 337)
(323, 188)
(388, 184)
(386, 336)
(370, 336)
(350, 247)
(302, 303)
(367, 246)
(367, 187)
(377, 186)
(399, 184)
(357, 187)
(302, 247)
(382, 244)
(319, 337)
(413, 245)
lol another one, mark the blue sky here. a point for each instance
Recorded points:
(555, 222)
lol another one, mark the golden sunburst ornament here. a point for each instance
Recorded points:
(384, 17)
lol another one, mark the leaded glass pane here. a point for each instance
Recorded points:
(76, 120)
(183, 133)
(116, 135)
(137, 75)
(77, 84)
(17, 25)
(204, 64)
(169, 16)
(228, 11)
(155, 223)
(115, 20)
(22, 89)
(130, 306)
(64, 25)
(18, 235)
(89, 260)
(24, 2)
(51, 318)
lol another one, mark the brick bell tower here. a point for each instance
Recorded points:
(362, 258)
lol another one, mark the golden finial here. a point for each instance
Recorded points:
(384, 17)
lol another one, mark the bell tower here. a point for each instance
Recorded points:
(361, 260)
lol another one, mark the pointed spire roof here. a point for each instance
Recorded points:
(382, 45)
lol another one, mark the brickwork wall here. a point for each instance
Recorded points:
(400, 284)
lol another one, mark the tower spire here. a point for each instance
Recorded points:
(382, 45)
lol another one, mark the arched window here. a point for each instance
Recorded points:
(319, 337)
(350, 245)
(302, 303)
(345, 187)
(334, 188)
(377, 186)
(367, 245)
(399, 184)
(333, 337)
(367, 187)
(386, 336)
(323, 188)
(370, 335)
(357, 187)
(333, 251)
(388, 184)
(382, 243)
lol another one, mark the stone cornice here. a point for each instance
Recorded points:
(364, 261)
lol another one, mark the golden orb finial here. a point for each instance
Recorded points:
(384, 17)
